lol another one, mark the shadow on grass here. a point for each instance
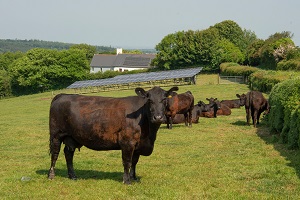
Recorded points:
(240, 123)
(291, 155)
(86, 174)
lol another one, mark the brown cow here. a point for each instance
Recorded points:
(235, 103)
(198, 109)
(212, 111)
(129, 124)
(222, 108)
(255, 104)
(180, 104)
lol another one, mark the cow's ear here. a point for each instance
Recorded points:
(141, 92)
(238, 95)
(172, 90)
(207, 99)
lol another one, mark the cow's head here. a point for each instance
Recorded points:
(215, 104)
(203, 107)
(242, 98)
(156, 101)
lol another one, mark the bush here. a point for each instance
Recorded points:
(265, 80)
(5, 84)
(293, 64)
(234, 69)
(284, 114)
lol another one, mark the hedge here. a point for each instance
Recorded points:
(284, 116)
(265, 80)
(234, 69)
(293, 64)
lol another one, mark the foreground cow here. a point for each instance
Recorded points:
(128, 124)
(235, 103)
(255, 104)
(198, 109)
(180, 104)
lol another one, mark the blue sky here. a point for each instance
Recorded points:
(137, 23)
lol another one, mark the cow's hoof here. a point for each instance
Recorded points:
(72, 177)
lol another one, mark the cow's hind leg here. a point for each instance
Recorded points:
(54, 150)
(69, 150)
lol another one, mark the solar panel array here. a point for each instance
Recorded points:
(135, 78)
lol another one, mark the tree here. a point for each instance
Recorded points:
(5, 83)
(48, 69)
(231, 31)
(268, 50)
(227, 52)
(88, 49)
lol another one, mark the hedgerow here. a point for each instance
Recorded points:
(284, 117)
(265, 80)
(234, 69)
(293, 64)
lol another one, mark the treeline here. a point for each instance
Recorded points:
(41, 69)
(225, 42)
(9, 45)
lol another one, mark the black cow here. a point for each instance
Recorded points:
(235, 103)
(255, 104)
(129, 124)
(180, 104)
(198, 109)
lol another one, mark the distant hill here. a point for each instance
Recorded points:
(9, 45)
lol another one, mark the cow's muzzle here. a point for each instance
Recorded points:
(158, 119)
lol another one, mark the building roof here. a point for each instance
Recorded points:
(122, 60)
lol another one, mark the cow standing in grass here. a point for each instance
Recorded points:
(129, 124)
(255, 104)
(180, 104)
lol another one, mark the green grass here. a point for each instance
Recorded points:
(220, 158)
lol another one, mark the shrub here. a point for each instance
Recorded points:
(234, 69)
(284, 114)
(293, 64)
(265, 80)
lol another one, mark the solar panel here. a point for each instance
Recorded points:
(136, 78)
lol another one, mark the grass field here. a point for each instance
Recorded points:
(219, 158)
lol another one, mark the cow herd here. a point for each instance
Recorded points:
(254, 101)
(130, 124)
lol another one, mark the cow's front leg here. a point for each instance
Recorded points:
(135, 159)
(127, 153)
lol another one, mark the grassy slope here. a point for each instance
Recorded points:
(220, 158)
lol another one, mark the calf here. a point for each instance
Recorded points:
(255, 104)
(235, 103)
(180, 104)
